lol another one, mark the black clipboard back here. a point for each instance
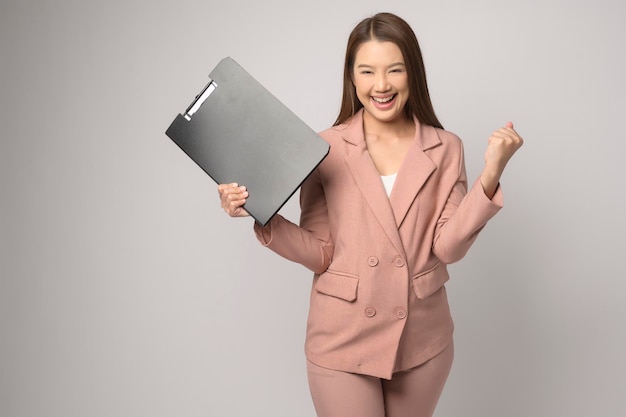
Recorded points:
(237, 131)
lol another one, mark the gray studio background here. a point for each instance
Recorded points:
(126, 291)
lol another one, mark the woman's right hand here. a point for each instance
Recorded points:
(233, 197)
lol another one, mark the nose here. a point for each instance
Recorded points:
(381, 84)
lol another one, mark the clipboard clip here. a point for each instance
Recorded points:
(200, 98)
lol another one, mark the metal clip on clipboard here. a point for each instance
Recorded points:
(200, 98)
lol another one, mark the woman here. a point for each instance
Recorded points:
(381, 217)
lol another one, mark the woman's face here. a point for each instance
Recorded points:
(380, 79)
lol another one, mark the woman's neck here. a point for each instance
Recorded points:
(400, 128)
(388, 142)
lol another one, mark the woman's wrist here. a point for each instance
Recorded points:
(489, 179)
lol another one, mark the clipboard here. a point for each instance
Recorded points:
(237, 131)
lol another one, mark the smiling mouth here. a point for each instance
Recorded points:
(384, 100)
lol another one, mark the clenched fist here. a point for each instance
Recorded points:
(502, 144)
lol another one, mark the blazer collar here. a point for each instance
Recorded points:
(426, 136)
(413, 173)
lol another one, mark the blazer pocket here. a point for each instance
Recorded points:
(338, 284)
(428, 282)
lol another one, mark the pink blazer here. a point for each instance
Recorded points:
(377, 303)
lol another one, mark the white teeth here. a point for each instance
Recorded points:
(383, 100)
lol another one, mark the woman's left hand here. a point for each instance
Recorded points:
(503, 143)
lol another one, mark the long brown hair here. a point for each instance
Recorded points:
(389, 27)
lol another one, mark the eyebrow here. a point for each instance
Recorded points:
(395, 64)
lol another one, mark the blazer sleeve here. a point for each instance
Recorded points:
(309, 243)
(463, 217)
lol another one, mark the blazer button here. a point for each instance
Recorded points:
(398, 261)
(370, 312)
(372, 261)
(400, 313)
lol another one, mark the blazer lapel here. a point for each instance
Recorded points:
(368, 179)
(414, 171)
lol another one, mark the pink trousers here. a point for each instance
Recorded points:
(411, 393)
